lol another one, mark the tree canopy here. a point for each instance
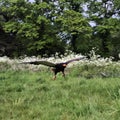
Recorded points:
(44, 27)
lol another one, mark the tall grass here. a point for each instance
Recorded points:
(90, 91)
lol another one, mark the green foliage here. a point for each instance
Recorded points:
(77, 28)
(93, 71)
(73, 21)
(107, 33)
(4, 66)
(106, 17)
(47, 27)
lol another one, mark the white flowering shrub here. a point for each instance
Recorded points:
(95, 66)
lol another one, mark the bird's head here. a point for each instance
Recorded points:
(64, 65)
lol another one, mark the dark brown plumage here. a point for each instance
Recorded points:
(58, 67)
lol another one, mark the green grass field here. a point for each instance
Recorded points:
(85, 94)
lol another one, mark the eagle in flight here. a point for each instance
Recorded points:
(56, 67)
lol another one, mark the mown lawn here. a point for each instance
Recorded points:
(30, 95)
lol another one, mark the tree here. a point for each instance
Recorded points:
(12, 13)
(76, 29)
(45, 27)
(30, 24)
(105, 14)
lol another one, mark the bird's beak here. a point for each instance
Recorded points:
(64, 65)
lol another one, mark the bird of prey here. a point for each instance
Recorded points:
(56, 67)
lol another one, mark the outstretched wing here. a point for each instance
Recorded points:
(76, 59)
(40, 62)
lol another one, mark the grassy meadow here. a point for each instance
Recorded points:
(90, 91)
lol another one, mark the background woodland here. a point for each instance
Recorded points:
(44, 27)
